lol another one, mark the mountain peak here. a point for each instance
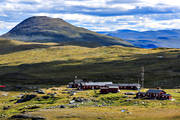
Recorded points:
(46, 29)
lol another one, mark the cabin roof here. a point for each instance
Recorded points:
(96, 83)
(167, 94)
(133, 84)
(113, 86)
(154, 91)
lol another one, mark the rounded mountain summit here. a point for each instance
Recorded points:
(46, 29)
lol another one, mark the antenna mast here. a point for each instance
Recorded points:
(142, 77)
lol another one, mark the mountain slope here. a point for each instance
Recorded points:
(58, 65)
(10, 46)
(46, 29)
(149, 39)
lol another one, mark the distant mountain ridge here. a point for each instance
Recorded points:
(149, 39)
(46, 29)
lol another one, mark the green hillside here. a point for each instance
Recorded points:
(53, 64)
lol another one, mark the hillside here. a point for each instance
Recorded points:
(45, 29)
(149, 39)
(58, 65)
(9, 46)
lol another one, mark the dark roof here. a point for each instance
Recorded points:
(154, 91)
(96, 83)
(166, 94)
(133, 84)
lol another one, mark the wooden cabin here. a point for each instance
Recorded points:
(92, 85)
(110, 89)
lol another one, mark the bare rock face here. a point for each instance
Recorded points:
(46, 29)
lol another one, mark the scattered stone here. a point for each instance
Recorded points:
(52, 94)
(99, 118)
(5, 94)
(123, 110)
(62, 106)
(46, 97)
(143, 102)
(23, 116)
(6, 107)
(130, 93)
(125, 96)
(26, 98)
(73, 106)
(39, 91)
(33, 107)
(19, 96)
(72, 101)
(79, 99)
(128, 100)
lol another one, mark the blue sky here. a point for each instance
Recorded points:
(97, 15)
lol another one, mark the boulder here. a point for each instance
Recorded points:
(6, 107)
(29, 117)
(26, 98)
(39, 91)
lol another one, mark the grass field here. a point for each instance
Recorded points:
(50, 63)
(115, 106)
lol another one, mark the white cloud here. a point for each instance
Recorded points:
(5, 26)
(96, 14)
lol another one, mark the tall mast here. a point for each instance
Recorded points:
(142, 77)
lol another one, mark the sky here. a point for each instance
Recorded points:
(96, 15)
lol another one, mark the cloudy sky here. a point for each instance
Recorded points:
(97, 15)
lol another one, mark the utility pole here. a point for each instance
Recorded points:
(142, 77)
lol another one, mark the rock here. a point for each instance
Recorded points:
(99, 118)
(23, 116)
(79, 99)
(6, 107)
(52, 94)
(45, 97)
(73, 106)
(26, 98)
(39, 91)
(128, 100)
(123, 110)
(5, 94)
(125, 96)
(130, 93)
(129, 112)
(72, 101)
(62, 106)
(19, 96)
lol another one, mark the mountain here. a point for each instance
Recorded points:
(149, 39)
(46, 29)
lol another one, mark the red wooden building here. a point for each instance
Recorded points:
(154, 94)
(2, 86)
(110, 89)
(92, 85)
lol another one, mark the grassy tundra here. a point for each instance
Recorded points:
(115, 106)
